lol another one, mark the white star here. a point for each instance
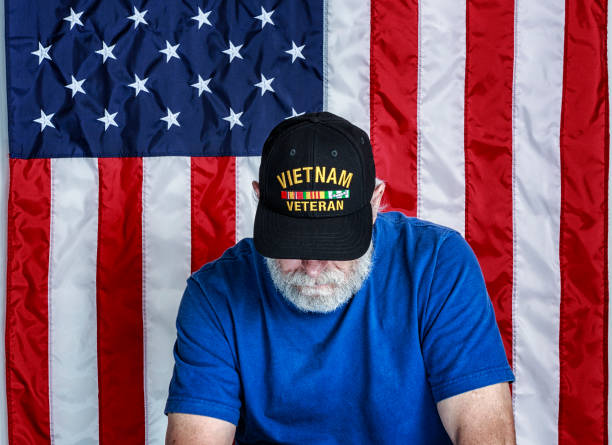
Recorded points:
(106, 52)
(76, 86)
(170, 51)
(139, 84)
(265, 84)
(295, 51)
(138, 17)
(108, 119)
(44, 120)
(265, 17)
(42, 53)
(171, 118)
(74, 19)
(202, 85)
(233, 118)
(202, 18)
(233, 51)
(294, 113)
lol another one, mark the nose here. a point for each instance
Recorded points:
(313, 267)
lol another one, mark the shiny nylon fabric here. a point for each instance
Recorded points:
(584, 269)
(488, 151)
(537, 96)
(27, 376)
(166, 262)
(393, 106)
(119, 284)
(213, 196)
(441, 157)
(141, 132)
(536, 309)
(73, 365)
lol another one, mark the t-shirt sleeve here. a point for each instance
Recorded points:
(205, 380)
(461, 344)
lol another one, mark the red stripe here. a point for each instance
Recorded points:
(393, 99)
(119, 302)
(583, 242)
(27, 332)
(213, 208)
(488, 150)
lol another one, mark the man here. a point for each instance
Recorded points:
(337, 324)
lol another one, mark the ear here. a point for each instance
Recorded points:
(376, 198)
(255, 185)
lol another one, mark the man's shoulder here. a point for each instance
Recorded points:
(397, 225)
(237, 259)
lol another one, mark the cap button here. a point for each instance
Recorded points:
(314, 119)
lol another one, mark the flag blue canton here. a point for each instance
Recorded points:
(76, 75)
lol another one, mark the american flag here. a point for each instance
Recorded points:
(134, 132)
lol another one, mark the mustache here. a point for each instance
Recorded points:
(328, 276)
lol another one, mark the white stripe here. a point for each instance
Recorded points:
(4, 180)
(166, 201)
(73, 370)
(441, 71)
(346, 75)
(538, 86)
(609, 58)
(247, 171)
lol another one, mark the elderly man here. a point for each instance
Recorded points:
(336, 324)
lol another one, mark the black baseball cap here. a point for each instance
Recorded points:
(316, 181)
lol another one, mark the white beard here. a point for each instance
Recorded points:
(297, 287)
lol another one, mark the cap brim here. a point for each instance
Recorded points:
(337, 238)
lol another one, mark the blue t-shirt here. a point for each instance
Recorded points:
(421, 329)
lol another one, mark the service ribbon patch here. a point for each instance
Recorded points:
(308, 195)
